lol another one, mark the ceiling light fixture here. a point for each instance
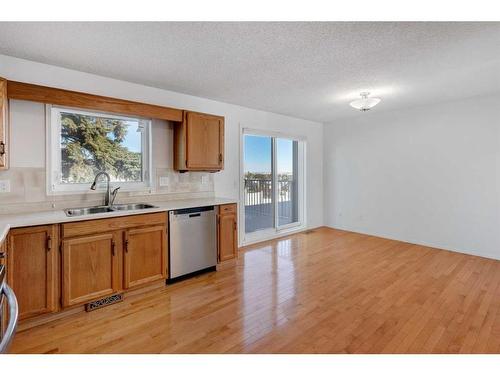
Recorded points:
(365, 103)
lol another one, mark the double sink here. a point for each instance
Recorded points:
(72, 212)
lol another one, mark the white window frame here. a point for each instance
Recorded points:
(53, 153)
(283, 230)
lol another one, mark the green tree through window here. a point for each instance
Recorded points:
(90, 144)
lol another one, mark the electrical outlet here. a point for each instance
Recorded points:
(204, 180)
(4, 186)
(164, 181)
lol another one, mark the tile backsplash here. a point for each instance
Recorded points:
(28, 191)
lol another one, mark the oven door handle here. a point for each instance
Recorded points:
(13, 316)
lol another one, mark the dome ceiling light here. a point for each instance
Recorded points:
(365, 103)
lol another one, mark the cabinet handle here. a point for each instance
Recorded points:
(220, 158)
(49, 242)
(234, 225)
(113, 247)
(2, 148)
(126, 246)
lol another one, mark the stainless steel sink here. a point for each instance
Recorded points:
(132, 206)
(71, 212)
(87, 210)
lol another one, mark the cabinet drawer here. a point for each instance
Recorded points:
(228, 208)
(81, 228)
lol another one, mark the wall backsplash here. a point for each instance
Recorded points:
(28, 190)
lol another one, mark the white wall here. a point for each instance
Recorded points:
(428, 175)
(226, 183)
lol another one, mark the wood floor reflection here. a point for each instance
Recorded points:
(327, 291)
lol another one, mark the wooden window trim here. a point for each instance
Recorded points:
(51, 95)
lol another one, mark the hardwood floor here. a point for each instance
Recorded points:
(327, 291)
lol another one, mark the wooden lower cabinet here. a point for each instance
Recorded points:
(3, 307)
(90, 268)
(145, 255)
(3, 253)
(227, 232)
(106, 256)
(32, 269)
(95, 258)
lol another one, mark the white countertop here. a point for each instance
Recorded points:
(58, 216)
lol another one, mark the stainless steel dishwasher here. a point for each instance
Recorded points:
(192, 241)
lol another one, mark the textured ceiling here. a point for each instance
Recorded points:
(306, 70)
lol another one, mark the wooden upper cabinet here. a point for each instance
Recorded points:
(227, 232)
(4, 126)
(90, 268)
(145, 255)
(32, 269)
(199, 143)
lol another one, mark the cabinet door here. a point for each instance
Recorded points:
(32, 269)
(228, 240)
(90, 268)
(145, 258)
(205, 142)
(3, 124)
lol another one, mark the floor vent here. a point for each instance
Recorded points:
(309, 231)
(103, 302)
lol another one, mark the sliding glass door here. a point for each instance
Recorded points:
(287, 181)
(272, 186)
(259, 189)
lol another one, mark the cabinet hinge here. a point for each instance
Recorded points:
(2, 148)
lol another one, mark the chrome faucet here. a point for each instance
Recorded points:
(109, 198)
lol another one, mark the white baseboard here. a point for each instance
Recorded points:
(416, 242)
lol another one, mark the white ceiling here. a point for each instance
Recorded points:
(306, 70)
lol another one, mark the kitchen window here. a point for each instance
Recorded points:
(80, 144)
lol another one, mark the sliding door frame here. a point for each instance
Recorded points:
(277, 230)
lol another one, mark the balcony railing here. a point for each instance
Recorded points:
(259, 203)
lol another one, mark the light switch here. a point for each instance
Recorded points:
(4, 186)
